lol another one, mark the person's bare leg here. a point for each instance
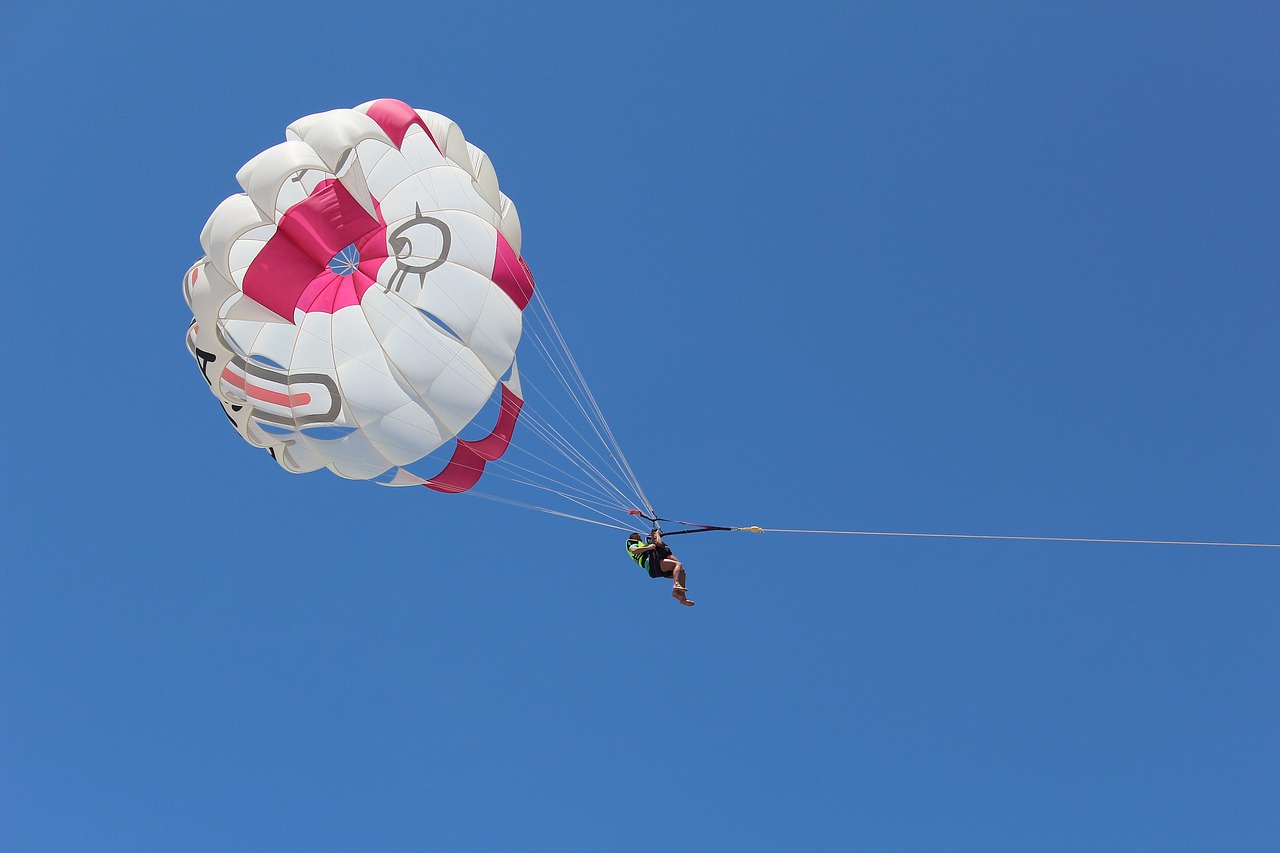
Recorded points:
(679, 588)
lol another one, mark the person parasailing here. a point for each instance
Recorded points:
(655, 557)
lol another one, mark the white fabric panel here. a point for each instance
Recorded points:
(351, 456)
(207, 293)
(384, 173)
(485, 178)
(239, 334)
(418, 352)
(497, 333)
(466, 301)
(460, 391)
(510, 224)
(313, 354)
(331, 135)
(454, 294)
(448, 380)
(402, 434)
(351, 335)
(276, 341)
(244, 308)
(245, 249)
(297, 129)
(236, 215)
(404, 478)
(264, 175)
(448, 136)
(513, 381)
(313, 347)
(420, 152)
(298, 459)
(354, 458)
(377, 403)
(440, 190)
(353, 179)
(474, 242)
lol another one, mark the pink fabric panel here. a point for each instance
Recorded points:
(493, 445)
(313, 298)
(511, 273)
(395, 118)
(292, 270)
(469, 457)
(278, 276)
(462, 472)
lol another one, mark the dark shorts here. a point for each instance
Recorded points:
(654, 564)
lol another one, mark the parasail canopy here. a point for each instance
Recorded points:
(359, 305)
(362, 306)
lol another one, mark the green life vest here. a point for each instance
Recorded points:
(641, 557)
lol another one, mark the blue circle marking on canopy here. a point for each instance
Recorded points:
(345, 262)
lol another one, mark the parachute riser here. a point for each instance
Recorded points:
(697, 530)
(693, 528)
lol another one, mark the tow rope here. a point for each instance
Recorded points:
(693, 527)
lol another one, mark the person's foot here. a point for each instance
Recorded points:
(678, 595)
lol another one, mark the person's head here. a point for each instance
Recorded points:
(634, 537)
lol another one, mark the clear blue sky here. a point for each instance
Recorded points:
(962, 268)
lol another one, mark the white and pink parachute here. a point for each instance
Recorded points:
(358, 307)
